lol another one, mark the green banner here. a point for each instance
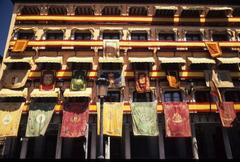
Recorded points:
(78, 82)
(39, 117)
(144, 117)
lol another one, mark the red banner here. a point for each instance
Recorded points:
(142, 82)
(177, 122)
(75, 119)
(47, 80)
(227, 113)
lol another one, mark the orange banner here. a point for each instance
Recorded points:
(172, 80)
(20, 46)
(214, 49)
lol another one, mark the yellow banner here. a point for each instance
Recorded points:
(10, 116)
(214, 49)
(112, 118)
(172, 80)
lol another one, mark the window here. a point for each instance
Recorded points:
(193, 37)
(139, 36)
(220, 37)
(12, 99)
(200, 66)
(49, 66)
(25, 35)
(77, 99)
(84, 10)
(57, 10)
(30, 10)
(111, 10)
(138, 11)
(202, 96)
(19, 65)
(73, 148)
(171, 66)
(111, 35)
(230, 67)
(171, 96)
(83, 66)
(113, 96)
(142, 97)
(232, 96)
(166, 36)
(111, 66)
(54, 36)
(82, 36)
(141, 66)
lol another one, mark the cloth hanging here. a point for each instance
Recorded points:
(75, 119)
(112, 118)
(47, 80)
(176, 119)
(111, 48)
(142, 82)
(144, 117)
(116, 79)
(40, 114)
(78, 82)
(227, 113)
(10, 116)
(14, 79)
(214, 49)
(20, 46)
(172, 80)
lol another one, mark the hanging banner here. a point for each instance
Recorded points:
(116, 79)
(221, 78)
(177, 122)
(142, 82)
(20, 46)
(40, 114)
(14, 79)
(111, 48)
(214, 49)
(75, 119)
(10, 116)
(47, 80)
(227, 114)
(112, 118)
(78, 82)
(172, 81)
(144, 117)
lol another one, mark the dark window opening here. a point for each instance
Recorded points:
(48, 66)
(30, 10)
(191, 13)
(172, 96)
(73, 148)
(178, 148)
(82, 66)
(77, 99)
(111, 11)
(116, 148)
(200, 66)
(111, 66)
(138, 11)
(210, 141)
(217, 13)
(166, 36)
(57, 11)
(234, 139)
(82, 36)
(141, 66)
(84, 11)
(12, 99)
(111, 35)
(220, 37)
(164, 13)
(139, 36)
(232, 96)
(113, 96)
(142, 97)
(25, 35)
(18, 66)
(54, 36)
(230, 67)
(171, 66)
(193, 37)
(202, 96)
(45, 99)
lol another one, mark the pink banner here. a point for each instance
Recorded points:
(177, 122)
(227, 113)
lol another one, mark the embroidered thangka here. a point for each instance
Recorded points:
(214, 49)
(14, 79)
(111, 48)
(47, 80)
(112, 118)
(176, 119)
(10, 116)
(78, 82)
(144, 117)
(75, 119)
(142, 83)
(40, 114)
(227, 113)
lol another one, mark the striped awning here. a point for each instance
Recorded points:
(80, 59)
(141, 59)
(231, 60)
(166, 60)
(195, 60)
(49, 60)
(13, 93)
(20, 60)
(38, 93)
(86, 93)
(111, 60)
